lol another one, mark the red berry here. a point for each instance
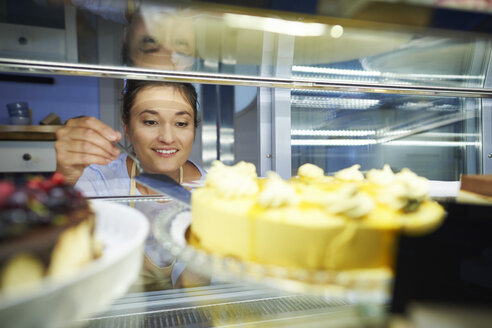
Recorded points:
(57, 178)
(47, 185)
(6, 189)
(35, 183)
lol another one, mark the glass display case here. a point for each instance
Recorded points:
(404, 83)
(296, 87)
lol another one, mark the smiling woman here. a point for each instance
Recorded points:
(159, 120)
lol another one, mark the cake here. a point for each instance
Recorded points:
(475, 189)
(47, 229)
(312, 221)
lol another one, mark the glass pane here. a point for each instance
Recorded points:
(438, 138)
(393, 58)
(199, 38)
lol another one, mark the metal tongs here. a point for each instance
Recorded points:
(161, 183)
(130, 154)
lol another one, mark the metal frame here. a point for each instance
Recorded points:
(264, 111)
(71, 53)
(281, 114)
(487, 124)
(274, 108)
(121, 72)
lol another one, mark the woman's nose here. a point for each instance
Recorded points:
(166, 135)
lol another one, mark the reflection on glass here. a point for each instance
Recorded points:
(161, 38)
(274, 25)
(433, 136)
(421, 61)
(210, 38)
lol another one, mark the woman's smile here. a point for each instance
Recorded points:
(166, 152)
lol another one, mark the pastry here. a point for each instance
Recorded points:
(313, 221)
(476, 189)
(47, 230)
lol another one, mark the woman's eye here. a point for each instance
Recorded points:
(182, 124)
(149, 39)
(150, 122)
(149, 45)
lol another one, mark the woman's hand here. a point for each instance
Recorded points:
(81, 142)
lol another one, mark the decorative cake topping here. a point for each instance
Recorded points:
(381, 177)
(40, 202)
(233, 181)
(277, 192)
(310, 171)
(350, 201)
(406, 192)
(314, 221)
(350, 174)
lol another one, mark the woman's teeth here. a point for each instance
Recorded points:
(167, 152)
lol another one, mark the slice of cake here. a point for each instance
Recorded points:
(341, 222)
(47, 228)
(475, 189)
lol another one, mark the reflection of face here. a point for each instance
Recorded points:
(161, 133)
(162, 40)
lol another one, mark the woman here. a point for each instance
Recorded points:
(159, 120)
(160, 37)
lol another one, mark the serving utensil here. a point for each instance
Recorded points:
(161, 183)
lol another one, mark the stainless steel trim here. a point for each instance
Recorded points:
(488, 75)
(264, 111)
(71, 33)
(471, 148)
(226, 124)
(487, 136)
(41, 67)
(281, 109)
(222, 305)
(487, 124)
(210, 121)
(139, 198)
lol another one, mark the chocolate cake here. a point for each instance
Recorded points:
(475, 189)
(47, 228)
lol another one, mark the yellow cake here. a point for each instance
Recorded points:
(313, 221)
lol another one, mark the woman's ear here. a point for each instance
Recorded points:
(125, 129)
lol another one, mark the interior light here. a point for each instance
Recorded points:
(336, 31)
(274, 25)
(332, 142)
(333, 133)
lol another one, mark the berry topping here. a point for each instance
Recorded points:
(6, 189)
(39, 202)
(57, 178)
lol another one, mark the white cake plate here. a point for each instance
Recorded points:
(122, 231)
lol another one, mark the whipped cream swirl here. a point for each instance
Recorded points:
(349, 201)
(310, 171)
(402, 191)
(233, 181)
(381, 177)
(352, 173)
(277, 192)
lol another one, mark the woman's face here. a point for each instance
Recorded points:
(161, 40)
(161, 129)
